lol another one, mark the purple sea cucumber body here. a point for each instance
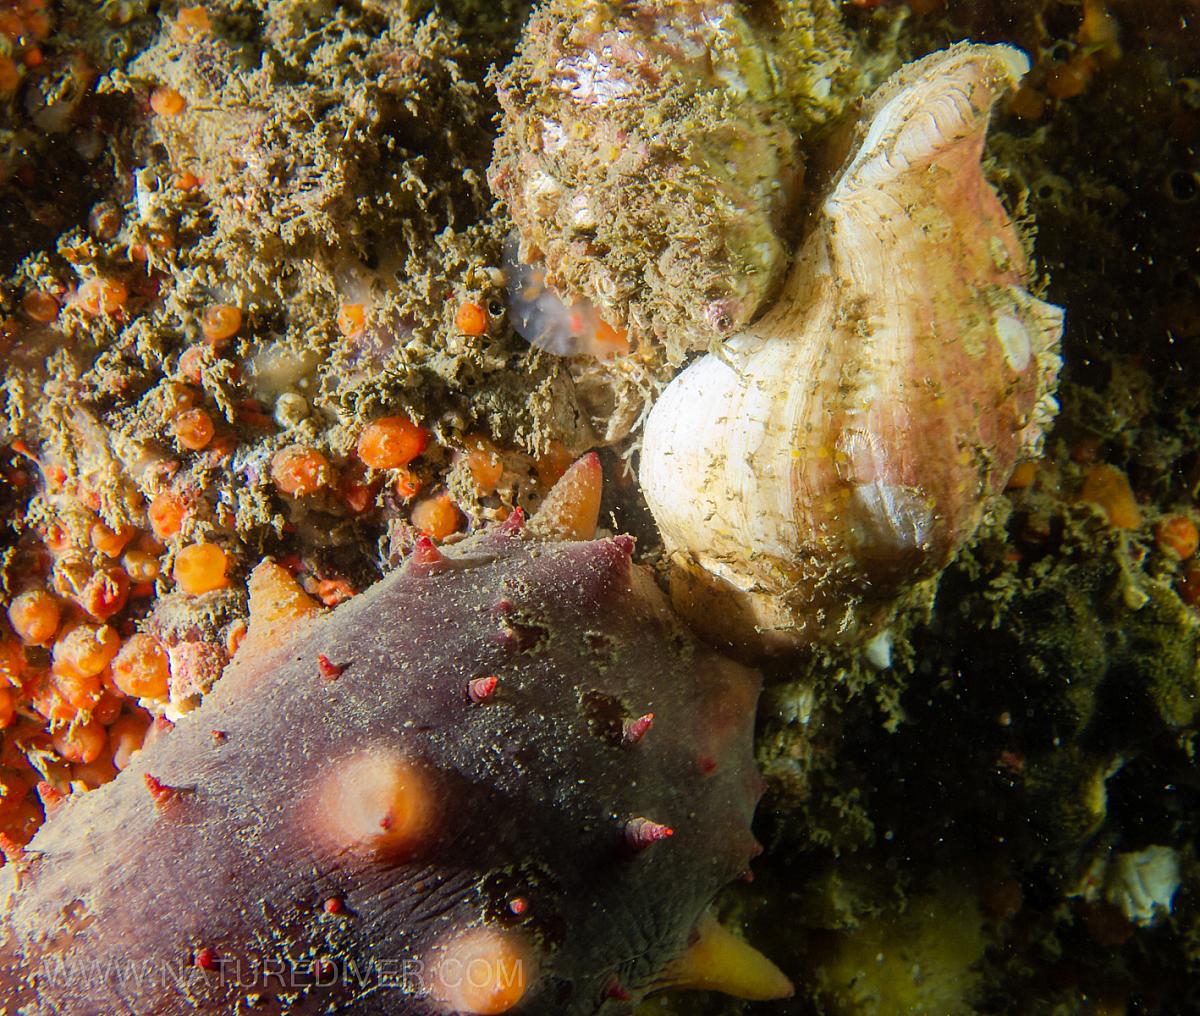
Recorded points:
(242, 882)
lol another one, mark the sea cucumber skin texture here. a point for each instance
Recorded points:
(530, 788)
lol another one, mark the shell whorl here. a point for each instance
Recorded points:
(844, 446)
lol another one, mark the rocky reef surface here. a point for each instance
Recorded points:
(253, 304)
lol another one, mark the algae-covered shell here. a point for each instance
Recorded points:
(647, 155)
(845, 445)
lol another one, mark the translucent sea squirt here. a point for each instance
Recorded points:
(844, 446)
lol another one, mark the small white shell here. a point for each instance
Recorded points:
(1143, 884)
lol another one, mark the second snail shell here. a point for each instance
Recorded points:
(844, 446)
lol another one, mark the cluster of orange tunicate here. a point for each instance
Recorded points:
(484, 462)
(23, 24)
(68, 716)
(385, 458)
(78, 681)
(388, 445)
(102, 296)
(192, 425)
(1177, 539)
(1095, 48)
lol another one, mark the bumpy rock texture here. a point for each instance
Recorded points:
(649, 154)
(518, 823)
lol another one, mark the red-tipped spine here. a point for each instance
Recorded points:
(480, 689)
(634, 730)
(512, 525)
(52, 797)
(426, 559)
(615, 990)
(207, 959)
(162, 794)
(641, 833)
(329, 670)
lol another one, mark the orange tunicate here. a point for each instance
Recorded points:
(298, 470)
(142, 668)
(10, 77)
(609, 341)
(221, 321)
(1023, 475)
(191, 23)
(101, 295)
(470, 319)
(1108, 488)
(105, 593)
(166, 514)
(24, 821)
(56, 537)
(111, 541)
(8, 708)
(37, 19)
(1189, 585)
(109, 706)
(352, 319)
(357, 495)
(34, 616)
(1068, 80)
(12, 662)
(185, 180)
(572, 508)
(141, 565)
(1099, 31)
(193, 429)
(436, 516)
(40, 306)
(1177, 535)
(191, 361)
(80, 742)
(200, 568)
(552, 463)
(407, 484)
(391, 442)
(85, 650)
(60, 697)
(13, 788)
(1027, 103)
(94, 774)
(484, 462)
(167, 102)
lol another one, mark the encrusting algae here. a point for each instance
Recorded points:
(294, 296)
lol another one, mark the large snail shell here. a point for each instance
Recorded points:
(843, 447)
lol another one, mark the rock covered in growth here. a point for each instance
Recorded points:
(502, 779)
(649, 154)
